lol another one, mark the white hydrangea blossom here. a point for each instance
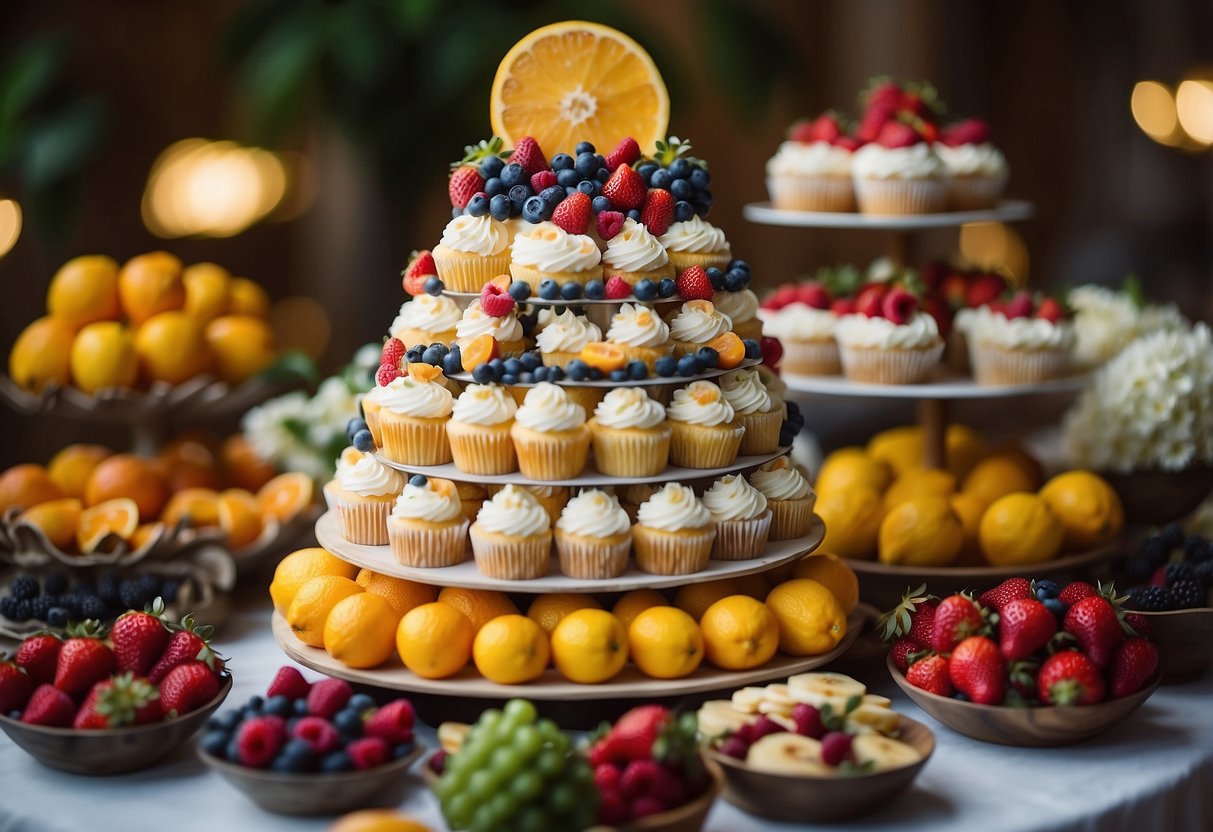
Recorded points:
(1105, 320)
(1149, 407)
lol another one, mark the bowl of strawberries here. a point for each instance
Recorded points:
(98, 702)
(1026, 663)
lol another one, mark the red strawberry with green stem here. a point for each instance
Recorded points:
(1025, 625)
(901, 650)
(982, 289)
(693, 284)
(188, 687)
(49, 706)
(1133, 664)
(870, 300)
(527, 153)
(968, 131)
(957, 618)
(912, 618)
(625, 189)
(658, 211)
(1094, 623)
(631, 737)
(813, 294)
(139, 639)
(15, 686)
(290, 683)
(625, 153)
(125, 699)
(977, 670)
(931, 674)
(190, 643)
(39, 655)
(1012, 589)
(83, 659)
(1076, 591)
(573, 213)
(894, 134)
(464, 184)
(1020, 306)
(421, 266)
(1069, 678)
(1051, 310)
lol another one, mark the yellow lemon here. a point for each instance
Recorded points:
(480, 605)
(364, 577)
(103, 356)
(435, 640)
(25, 486)
(852, 519)
(1020, 529)
(85, 290)
(968, 509)
(919, 482)
(739, 632)
(299, 567)
(244, 297)
(665, 643)
(377, 820)
(196, 506)
(241, 345)
(589, 646)
(42, 355)
(511, 650)
(632, 604)
(313, 603)
(548, 610)
(206, 287)
(922, 531)
(71, 467)
(171, 348)
(360, 631)
(811, 620)
(401, 594)
(996, 477)
(150, 284)
(1087, 506)
(1016, 454)
(833, 573)
(851, 466)
(694, 599)
(57, 519)
(903, 449)
(965, 447)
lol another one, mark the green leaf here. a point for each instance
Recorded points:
(292, 366)
(57, 145)
(278, 73)
(27, 75)
(1132, 288)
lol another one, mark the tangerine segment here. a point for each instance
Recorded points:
(481, 349)
(119, 517)
(730, 349)
(577, 81)
(239, 517)
(286, 495)
(603, 355)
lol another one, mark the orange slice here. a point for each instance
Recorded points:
(57, 519)
(419, 371)
(603, 355)
(239, 517)
(577, 81)
(730, 349)
(145, 534)
(197, 506)
(119, 516)
(286, 495)
(482, 348)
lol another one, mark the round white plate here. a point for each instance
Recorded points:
(1009, 210)
(944, 387)
(535, 300)
(654, 381)
(379, 559)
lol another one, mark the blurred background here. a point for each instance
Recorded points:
(305, 143)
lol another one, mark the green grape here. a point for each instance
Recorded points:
(527, 785)
(480, 786)
(586, 814)
(458, 810)
(562, 744)
(506, 758)
(534, 819)
(550, 763)
(450, 783)
(483, 819)
(562, 798)
(503, 805)
(548, 730)
(528, 741)
(520, 712)
(477, 756)
(688, 724)
(581, 773)
(487, 723)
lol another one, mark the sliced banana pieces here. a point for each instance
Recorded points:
(718, 717)
(451, 735)
(821, 689)
(882, 752)
(788, 754)
(747, 700)
(882, 720)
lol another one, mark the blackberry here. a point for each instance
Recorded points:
(54, 584)
(1154, 599)
(41, 606)
(169, 590)
(1204, 572)
(24, 587)
(1173, 535)
(1187, 594)
(94, 607)
(20, 610)
(57, 617)
(1154, 550)
(109, 588)
(1179, 573)
(131, 595)
(1198, 549)
(1138, 570)
(6, 606)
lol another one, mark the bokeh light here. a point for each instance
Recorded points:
(1153, 108)
(996, 247)
(10, 225)
(1194, 108)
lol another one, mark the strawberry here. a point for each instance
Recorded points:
(39, 655)
(49, 706)
(573, 213)
(608, 224)
(139, 638)
(317, 732)
(922, 620)
(911, 619)
(969, 131)
(1025, 626)
(125, 699)
(813, 294)
(625, 153)
(1093, 621)
(617, 287)
(931, 674)
(933, 273)
(1069, 678)
(606, 776)
(898, 305)
(328, 696)
(956, 619)
(421, 265)
(495, 301)
(528, 154)
(613, 810)
(938, 308)
(387, 374)
(15, 687)
(1139, 623)
(781, 297)
(658, 211)
(824, 128)
(848, 143)
(873, 121)
(977, 670)
(465, 183)
(625, 189)
(801, 131)
(772, 351)
(1075, 591)
(631, 737)
(883, 93)
(1019, 306)
(1021, 676)
(188, 687)
(368, 752)
(843, 306)
(83, 660)
(870, 300)
(1012, 589)
(392, 353)
(190, 643)
(897, 134)
(259, 739)
(393, 722)
(692, 283)
(644, 778)
(542, 179)
(1050, 310)
(926, 129)
(982, 289)
(290, 683)
(1133, 663)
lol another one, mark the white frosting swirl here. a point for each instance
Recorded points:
(732, 498)
(810, 159)
(694, 235)
(409, 397)
(874, 161)
(429, 313)
(368, 477)
(593, 513)
(481, 235)
(546, 315)
(919, 332)
(629, 407)
(700, 403)
(698, 322)
(484, 404)
(673, 508)
(987, 326)
(741, 307)
(972, 160)
(549, 248)
(634, 249)
(799, 322)
(638, 326)
(476, 321)
(513, 511)
(567, 332)
(745, 392)
(437, 501)
(778, 480)
(548, 408)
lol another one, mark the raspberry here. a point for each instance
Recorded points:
(648, 778)
(495, 301)
(613, 810)
(608, 224)
(393, 722)
(606, 776)
(317, 732)
(289, 682)
(393, 352)
(835, 748)
(259, 739)
(328, 696)
(617, 288)
(387, 374)
(808, 721)
(542, 179)
(368, 752)
(693, 283)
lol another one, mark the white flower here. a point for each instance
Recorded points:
(1105, 320)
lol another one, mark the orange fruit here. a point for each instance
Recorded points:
(435, 640)
(85, 290)
(419, 371)
(1088, 507)
(575, 81)
(118, 517)
(589, 646)
(550, 609)
(665, 643)
(243, 466)
(811, 620)
(480, 605)
(694, 599)
(1017, 454)
(833, 573)
(995, 477)
(603, 355)
(124, 475)
(104, 356)
(919, 482)
(42, 355)
(150, 284)
(632, 604)
(479, 350)
(378, 820)
(193, 446)
(206, 291)
(198, 507)
(181, 474)
(246, 297)
(401, 594)
(57, 519)
(241, 345)
(299, 567)
(239, 517)
(729, 348)
(70, 468)
(511, 650)
(739, 632)
(25, 486)
(286, 495)
(171, 348)
(1020, 529)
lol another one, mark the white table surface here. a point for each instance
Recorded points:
(1154, 772)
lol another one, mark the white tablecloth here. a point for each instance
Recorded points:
(1154, 772)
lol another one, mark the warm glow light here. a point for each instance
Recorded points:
(1153, 108)
(1194, 106)
(997, 247)
(10, 224)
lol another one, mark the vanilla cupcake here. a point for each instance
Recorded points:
(473, 251)
(512, 537)
(674, 532)
(362, 493)
(593, 536)
(1020, 350)
(695, 242)
(425, 320)
(776, 387)
(811, 176)
(976, 169)
(546, 251)
(412, 418)
(479, 430)
(879, 351)
(629, 434)
(564, 337)
(506, 330)
(695, 324)
(640, 333)
(428, 528)
(743, 519)
(807, 336)
(550, 435)
(635, 254)
(705, 431)
(788, 497)
(899, 180)
(755, 410)
(742, 309)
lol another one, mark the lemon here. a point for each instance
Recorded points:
(377, 820)
(919, 482)
(241, 345)
(694, 599)
(244, 297)
(206, 290)
(511, 650)
(360, 631)
(632, 604)
(548, 610)
(480, 605)
(831, 572)
(811, 620)
(103, 356)
(1020, 529)
(851, 466)
(84, 291)
(739, 632)
(401, 594)
(922, 531)
(995, 477)
(171, 348)
(903, 448)
(852, 519)
(150, 284)
(665, 643)
(968, 509)
(42, 355)
(313, 603)
(1087, 506)
(435, 640)
(299, 567)
(589, 646)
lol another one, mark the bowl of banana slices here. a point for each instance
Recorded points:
(818, 748)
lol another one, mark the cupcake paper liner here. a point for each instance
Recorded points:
(880, 366)
(557, 358)
(482, 449)
(370, 414)
(761, 432)
(993, 366)
(511, 558)
(412, 441)
(559, 455)
(790, 518)
(672, 553)
(812, 193)
(742, 539)
(700, 446)
(901, 196)
(975, 193)
(811, 358)
(463, 272)
(630, 453)
(591, 558)
(363, 521)
(428, 545)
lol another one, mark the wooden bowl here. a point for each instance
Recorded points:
(111, 751)
(1158, 497)
(820, 799)
(1042, 727)
(1185, 642)
(318, 794)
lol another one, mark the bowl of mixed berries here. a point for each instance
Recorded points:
(100, 701)
(1026, 663)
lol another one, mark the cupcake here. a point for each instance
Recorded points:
(674, 533)
(809, 172)
(428, 528)
(564, 337)
(807, 336)
(754, 409)
(901, 350)
(593, 536)
(506, 329)
(1019, 345)
(362, 493)
(976, 169)
(412, 419)
(370, 406)
(742, 517)
(479, 430)
(640, 333)
(546, 251)
(695, 324)
(473, 251)
(629, 434)
(705, 432)
(471, 497)
(776, 387)
(742, 309)
(695, 242)
(634, 254)
(425, 320)
(512, 536)
(632, 497)
(550, 434)
(899, 174)
(788, 497)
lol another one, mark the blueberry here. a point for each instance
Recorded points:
(584, 147)
(716, 277)
(432, 285)
(666, 366)
(512, 366)
(739, 264)
(520, 290)
(562, 161)
(688, 366)
(361, 701)
(709, 357)
(56, 617)
(735, 281)
(572, 189)
(681, 190)
(364, 442)
(499, 207)
(1046, 589)
(570, 290)
(351, 427)
(637, 370)
(602, 176)
(646, 170)
(493, 186)
(683, 211)
(451, 363)
(552, 195)
(418, 480)
(456, 213)
(586, 188)
(232, 751)
(1057, 607)
(526, 377)
(752, 349)
(700, 178)
(679, 169)
(301, 708)
(619, 375)
(538, 374)
(666, 288)
(568, 178)
(497, 364)
(432, 356)
(599, 204)
(660, 178)
(513, 174)
(555, 374)
(348, 721)
(578, 370)
(549, 289)
(509, 378)
(402, 750)
(477, 206)
(596, 374)
(535, 210)
(518, 194)
(595, 290)
(531, 360)
(645, 289)
(335, 762)
(279, 706)
(634, 215)
(491, 166)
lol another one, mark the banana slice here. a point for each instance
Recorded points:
(788, 754)
(451, 735)
(883, 753)
(785, 722)
(747, 700)
(882, 720)
(777, 699)
(877, 700)
(718, 717)
(821, 689)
